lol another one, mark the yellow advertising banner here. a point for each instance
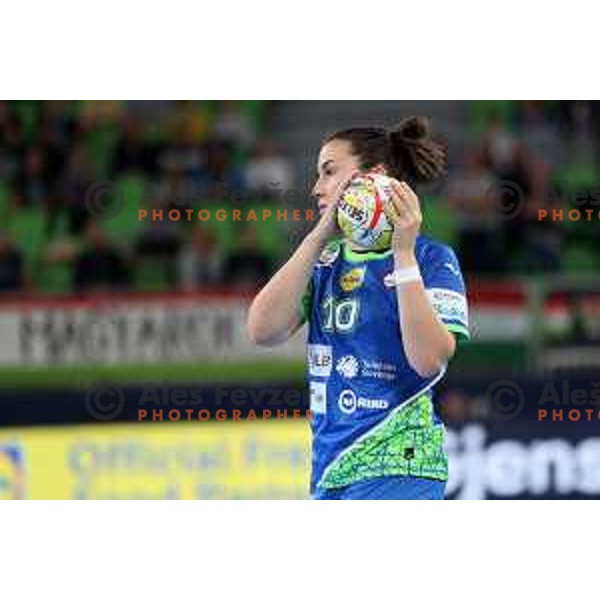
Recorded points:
(245, 460)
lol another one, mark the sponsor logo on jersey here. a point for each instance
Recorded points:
(378, 369)
(349, 403)
(329, 255)
(352, 279)
(318, 397)
(449, 305)
(320, 360)
(348, 366)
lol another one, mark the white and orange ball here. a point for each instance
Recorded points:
(360, 212)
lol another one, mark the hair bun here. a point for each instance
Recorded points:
(411, 129)
(414, 154)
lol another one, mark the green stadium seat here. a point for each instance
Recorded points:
(271, 233)
(125, 226)
(101, 143)
(4, 204)
(577, 177)
(224, 231)
(61, 226)
(56, 279)
(577, 260)
(483, 111)
(256, 111)
(150, 275)
(439, 220)
(27, 228)
(27, 111)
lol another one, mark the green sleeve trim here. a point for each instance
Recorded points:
(306, 302)
(361, 257)
(333, 245)
(462, 333)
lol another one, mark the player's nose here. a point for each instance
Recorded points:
(318, 192)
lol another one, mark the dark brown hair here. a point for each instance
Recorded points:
(407, 152)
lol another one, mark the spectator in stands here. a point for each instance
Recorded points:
(189, 116)
(79, 174)
(480, 243)
(541, 241)
(498, 146)
(456, 407)
(182, 154)
(12, 276)
(4, 112)
(268, 170)
(99, 266)
(55, 136)
(56, 126)
(574, 117)
(132, 152)
(12, 145)
(201, 262)
(531, 113)
(233, 126)
(32, 184)
(160, 242)
(528, 175)
(222, 176)
(248, 267)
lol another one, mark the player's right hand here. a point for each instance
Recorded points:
(327, 227)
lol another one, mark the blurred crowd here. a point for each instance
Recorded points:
(51, 153)
(527, 157)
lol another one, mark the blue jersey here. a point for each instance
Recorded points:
(373, 414)
(387, 488)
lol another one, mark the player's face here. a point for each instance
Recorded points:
(335, 167)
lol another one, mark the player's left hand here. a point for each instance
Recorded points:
(404, 212)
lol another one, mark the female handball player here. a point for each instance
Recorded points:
(375, 349)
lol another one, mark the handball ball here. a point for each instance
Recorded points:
(360, 211)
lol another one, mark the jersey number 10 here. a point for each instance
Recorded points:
(339, 315)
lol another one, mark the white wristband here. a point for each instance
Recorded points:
(400, 276)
